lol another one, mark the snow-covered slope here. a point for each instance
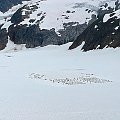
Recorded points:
(54, 83)
(56, 13)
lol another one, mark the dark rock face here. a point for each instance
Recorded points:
(71, 31)
(17, 17)
(100, 34)
(3, 38)
(7, 4)
(21, 34)
(50, 37)
(32, 36)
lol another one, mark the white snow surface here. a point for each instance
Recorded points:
(55, 12)
(23, 96)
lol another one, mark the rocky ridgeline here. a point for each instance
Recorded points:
(101, 33)
(7, 4)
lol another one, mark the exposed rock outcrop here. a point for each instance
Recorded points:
(3, 38)
(7, 4)
(71, 31)
(32, 36)
(104, 32)
(21, 34)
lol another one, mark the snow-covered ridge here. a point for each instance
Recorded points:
(68, 11)
(56, 13)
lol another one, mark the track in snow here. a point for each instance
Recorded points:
(80, 79)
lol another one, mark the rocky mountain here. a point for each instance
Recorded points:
(40, 22)
(5, 5)
(102, 33)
